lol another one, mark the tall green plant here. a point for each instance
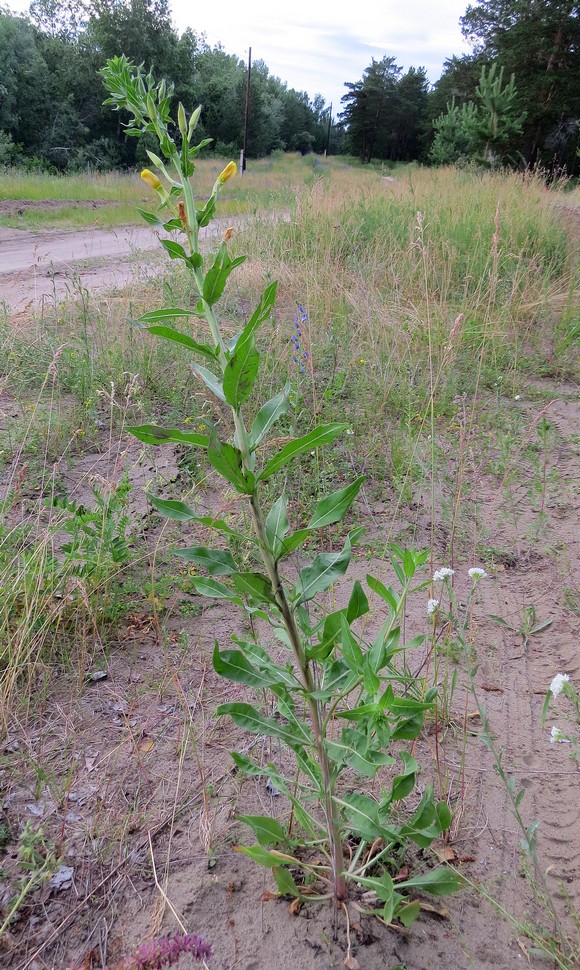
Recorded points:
(337, 703)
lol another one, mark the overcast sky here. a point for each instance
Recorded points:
(317, 45)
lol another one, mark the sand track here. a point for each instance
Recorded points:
(36, 268)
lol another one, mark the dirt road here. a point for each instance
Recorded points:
(47, 266)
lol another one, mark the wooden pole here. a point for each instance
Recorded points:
(247, 112)
(328, 132)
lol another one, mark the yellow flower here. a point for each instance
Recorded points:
(148, 176)
(230, 170)
(362, 360)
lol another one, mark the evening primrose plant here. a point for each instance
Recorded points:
(336, 702)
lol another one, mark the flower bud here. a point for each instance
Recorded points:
(151, 179)
(193, 121)
(155, 159)
(151, 109)
(182, 120)
(230, 170)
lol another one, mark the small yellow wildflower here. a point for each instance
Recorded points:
(230, 170)
(362, 360)
(151, 179)
(188, 420)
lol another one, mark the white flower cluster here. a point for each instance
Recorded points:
(440, 574)
(557, 735)
(558, 683)
(432, 606)
(476, 572)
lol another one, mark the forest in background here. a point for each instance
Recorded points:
(515, 100)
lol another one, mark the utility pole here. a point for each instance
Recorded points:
(328, 132)
(247, 114)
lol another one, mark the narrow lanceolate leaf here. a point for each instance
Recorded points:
(211, 587)
(210, 380)
(262, 311)
(181, 338)
(265, 858)
(246, 716)
(254, 585)
(351, 650)
(324, 571)
(277, 526)
(151, 434)
(267, 416)
(175, 250)
(323, 435)
(439, 882)
(217, 276)
(150, 218)
(240, 374)
(164, 314)
(177, 511)
(232, 665)
(227, 460)
(334, 508)
(268, 831)
(217, 562)
(204, 215)
(358, 604)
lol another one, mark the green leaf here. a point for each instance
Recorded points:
(210, 587)
(204, 215)
(240, 374)
(402, 785)
(294, 540)
(183, 339)
(409, 913)
(383, 887)
(334, 508)
(385, 594)
(440, 882)
(358, 604)
(163, 315)
(262, 856)
(247, 717)
(216, 561)
(351, 650)
(177, 511)
(217, 276)
(267, 830)
(285, 883)
(267, 416)
(322, 435)
(254, 585)
(262, 311)
(210, 380)
(227, 460)
(151, 434)
(175, 250)
(363, 816)
(324, 571)
(232, 665)
(277, 526)
(150, 218)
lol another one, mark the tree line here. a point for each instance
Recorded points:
(514, 100)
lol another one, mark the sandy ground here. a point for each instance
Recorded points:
(46, 267)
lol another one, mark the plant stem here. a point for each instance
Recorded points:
(336, 852)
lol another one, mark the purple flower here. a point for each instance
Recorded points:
(165, 952)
